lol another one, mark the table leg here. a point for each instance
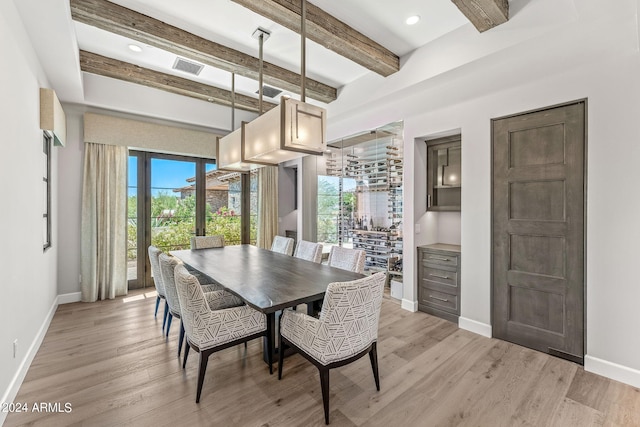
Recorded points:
(271, 333)
(313, 308)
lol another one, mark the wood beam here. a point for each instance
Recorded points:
(128, 23)
(109, 67)
(484, 14)
(329, 32)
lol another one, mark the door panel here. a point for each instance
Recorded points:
(538, 230)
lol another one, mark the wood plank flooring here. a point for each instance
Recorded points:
(110, 362)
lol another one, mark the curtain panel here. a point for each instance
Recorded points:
(267, 206)
(104, 220)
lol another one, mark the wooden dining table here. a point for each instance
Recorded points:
(267, 281)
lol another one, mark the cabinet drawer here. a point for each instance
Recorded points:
(439, 300)
(440, 259)
(438, 275)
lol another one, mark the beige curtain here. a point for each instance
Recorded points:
(267, 206)
(104, 221)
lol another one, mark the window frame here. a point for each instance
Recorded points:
(47, 143)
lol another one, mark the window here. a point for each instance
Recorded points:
(171, 198)
(46, 191)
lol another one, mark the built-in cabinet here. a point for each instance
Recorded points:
(444, 174)
(439, 280)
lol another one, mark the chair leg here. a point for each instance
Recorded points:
(187, 347)
(204, 358)
(324, 383)
(166, 314)
(181, 339)
(155, 314)
(169, 324)
(373, 356)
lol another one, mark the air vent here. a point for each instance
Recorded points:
(187, 66)
(269, 92)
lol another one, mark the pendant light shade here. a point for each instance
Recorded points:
(229, 152)
(288, 131)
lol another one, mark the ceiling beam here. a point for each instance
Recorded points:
(329, 32)
(109, 67)
(128, 23)
(484, 14)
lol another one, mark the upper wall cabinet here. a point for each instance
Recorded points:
(444, 178)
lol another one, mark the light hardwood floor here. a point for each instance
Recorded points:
(109, 361)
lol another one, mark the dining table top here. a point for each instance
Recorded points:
(268, 281)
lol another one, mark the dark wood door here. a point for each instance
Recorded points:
(538, 230)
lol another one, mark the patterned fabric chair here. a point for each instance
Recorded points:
(212, 323)
(309, 251)
(204, 242)
(168, 264)
(283, 245)
(347, 259)
(154, 254)
(346, 330)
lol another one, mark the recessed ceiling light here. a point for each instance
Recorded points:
(135, 48)
(412, 20)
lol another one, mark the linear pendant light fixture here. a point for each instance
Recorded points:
(290, 130)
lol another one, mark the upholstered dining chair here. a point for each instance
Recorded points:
(168, 264)
(154, 254)
(205, 242)
(212, 322)
(347, 259)
(309, 251)
(346, 330)
(283, 245)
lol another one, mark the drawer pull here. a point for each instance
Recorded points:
(439, 258)
(439, 276)
(439, 299)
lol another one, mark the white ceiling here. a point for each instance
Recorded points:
(225, 22)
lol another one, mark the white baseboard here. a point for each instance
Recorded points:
(475, 327)
(69, 298)
(612, 370)
(409, 305)
(16, 381)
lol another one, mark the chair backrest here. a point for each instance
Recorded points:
(205, 242)
(154, 254)
(347, 259)
(283, 245)
(309, 251)
(167, 268)
(350, 316)
(194, 306)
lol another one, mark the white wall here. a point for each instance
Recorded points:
(28, 284)
(586, 49)
(70, 163)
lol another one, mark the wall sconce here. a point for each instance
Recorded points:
(52, 118)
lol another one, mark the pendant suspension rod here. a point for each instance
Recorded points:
(233, 102)
(303, 50)
(261, 42)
